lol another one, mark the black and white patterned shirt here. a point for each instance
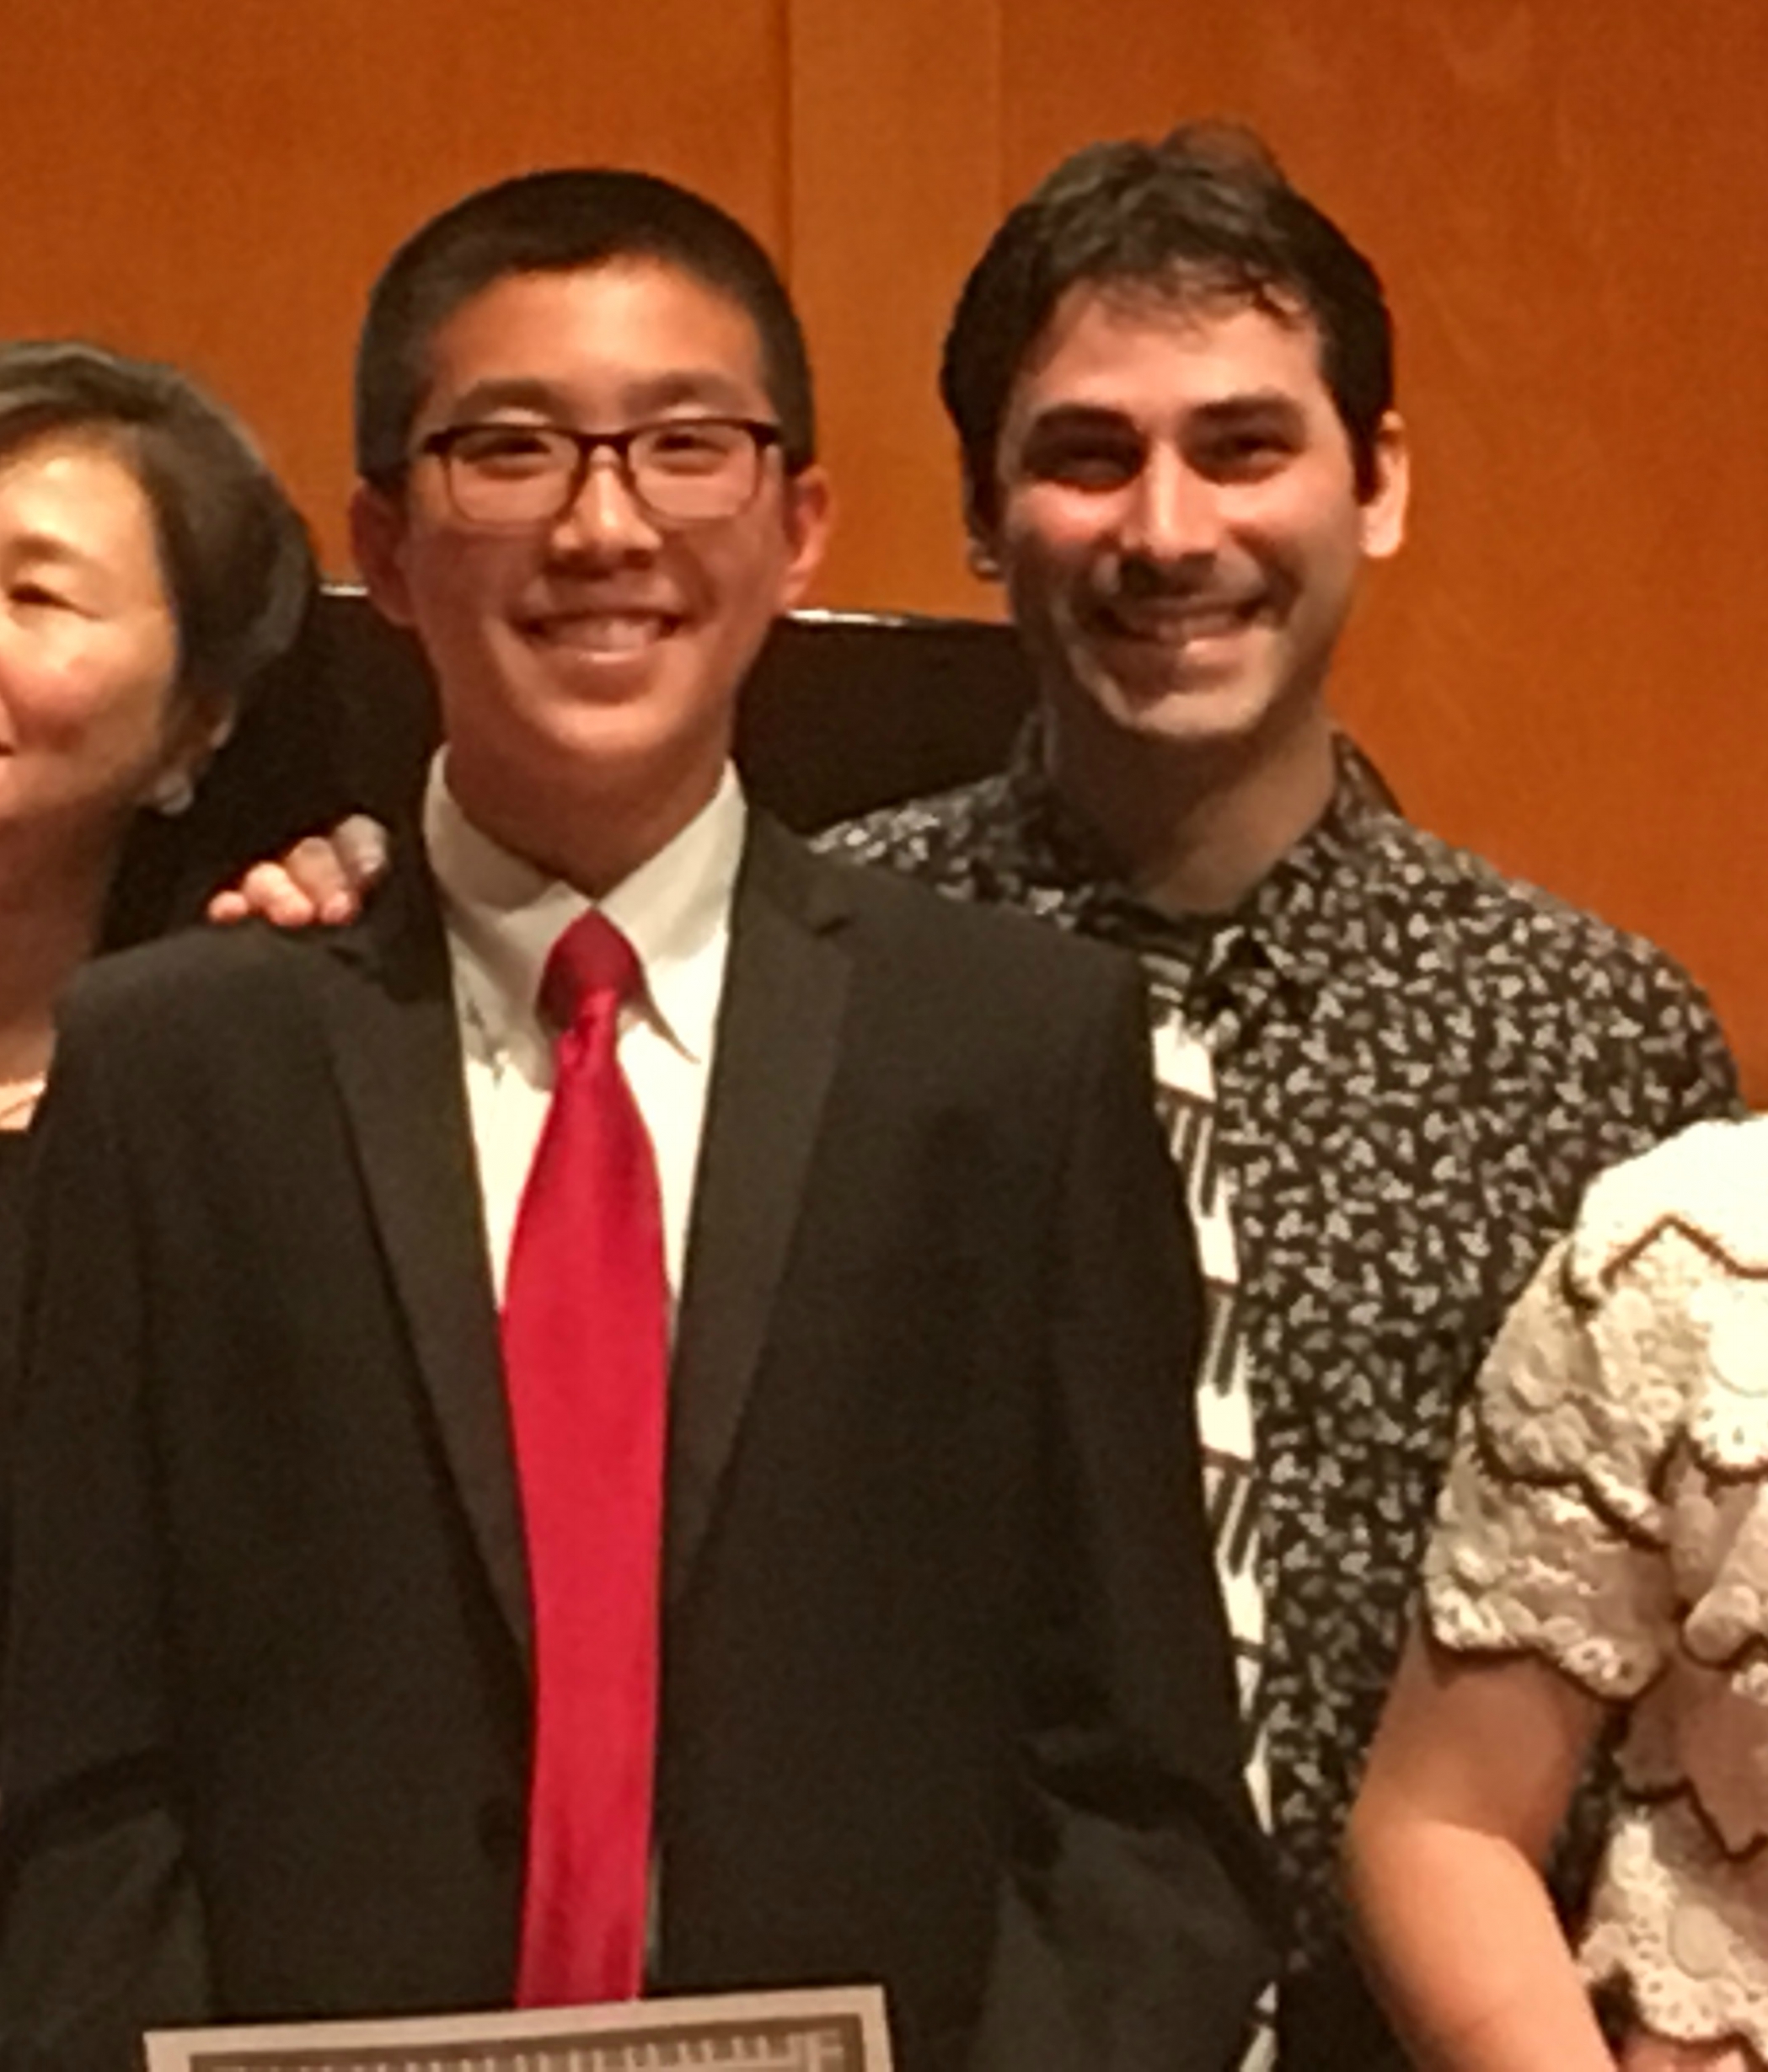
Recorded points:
(1419, 1065)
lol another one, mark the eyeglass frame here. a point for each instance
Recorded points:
(763, 434)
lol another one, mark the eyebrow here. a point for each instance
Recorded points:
(51, 547)
(1251, 403)
(504, 394)
(1079, 417)
(708, 386)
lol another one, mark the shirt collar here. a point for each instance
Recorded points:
(1308, 910)
(504, 916)
(1291, 919)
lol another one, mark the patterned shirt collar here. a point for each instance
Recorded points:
(1292, 921)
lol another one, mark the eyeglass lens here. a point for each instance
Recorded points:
(686, 470)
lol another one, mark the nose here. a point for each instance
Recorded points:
(605, 517)
(1174, 513)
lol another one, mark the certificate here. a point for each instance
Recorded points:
(840, 2029)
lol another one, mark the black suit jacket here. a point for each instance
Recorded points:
(946, 1699)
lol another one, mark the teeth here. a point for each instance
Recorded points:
(611, 632)
(1177, 628)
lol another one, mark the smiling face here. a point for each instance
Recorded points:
(88, 644)
(1179, 528)
(596, 657)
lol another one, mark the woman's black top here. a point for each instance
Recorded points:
(15, 1148)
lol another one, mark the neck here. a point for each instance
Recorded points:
(1193, 829)
(51, 907)
(590, 836)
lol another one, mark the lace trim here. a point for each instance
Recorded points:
(1501, 1578)
(1684, 1932)
(1704, 1184)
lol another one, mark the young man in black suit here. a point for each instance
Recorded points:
(943, 1694)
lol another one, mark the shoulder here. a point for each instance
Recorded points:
(226, 990)
(152, 1043)
(978, 937)
(977, 992)
(1647, 1324)
(1702, 1194)
(1592, 1013)
(396, 942)
(198, 963)
(1490, 917)
(944, 839)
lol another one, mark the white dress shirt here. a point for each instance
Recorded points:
(503, 917)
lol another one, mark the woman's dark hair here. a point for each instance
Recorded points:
(565, 220)
(238, 564)
(1205, 213)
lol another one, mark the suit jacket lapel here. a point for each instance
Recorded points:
(778, 1040)
(395, 1045)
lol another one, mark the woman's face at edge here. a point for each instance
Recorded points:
(91, 720)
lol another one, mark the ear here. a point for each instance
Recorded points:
(810, 516)
(378, 526)
(1384, 510)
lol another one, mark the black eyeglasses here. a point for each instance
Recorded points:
(680, 470)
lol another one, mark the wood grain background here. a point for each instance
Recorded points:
(1566, 198)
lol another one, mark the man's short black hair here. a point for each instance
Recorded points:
(562, 221)
(1205, 213)
(235, 555)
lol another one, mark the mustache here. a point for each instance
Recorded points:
(1142, 579)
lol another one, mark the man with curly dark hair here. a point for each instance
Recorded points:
(1388, 1072)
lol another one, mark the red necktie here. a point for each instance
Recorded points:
(586, 1351)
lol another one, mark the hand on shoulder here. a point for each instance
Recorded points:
(324, 878)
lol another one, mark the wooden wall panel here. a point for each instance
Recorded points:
(895, 184)
(219, 184)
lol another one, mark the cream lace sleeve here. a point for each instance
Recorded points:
(1638, 1356)
(1550, 1537)
(1608, 1509)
